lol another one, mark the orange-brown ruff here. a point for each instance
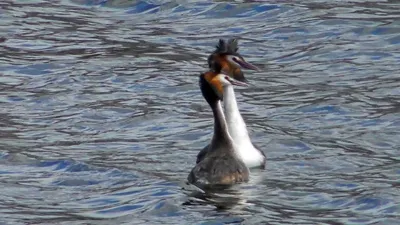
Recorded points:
(226, 59)
(220, 166)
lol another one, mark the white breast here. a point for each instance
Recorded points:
(251, 156)
(238, 131)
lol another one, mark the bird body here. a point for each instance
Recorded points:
(225, 59)
(221, 166)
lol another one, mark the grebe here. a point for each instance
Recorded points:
(226, 59)
(221, 166)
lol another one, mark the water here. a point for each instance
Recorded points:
(102, 117)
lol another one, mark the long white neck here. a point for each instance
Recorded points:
(251, 156)
(236, 125)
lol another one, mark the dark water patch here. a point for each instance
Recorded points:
(102, 117)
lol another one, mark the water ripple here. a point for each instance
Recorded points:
(102, 117)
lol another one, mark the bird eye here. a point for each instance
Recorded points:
(236, 59)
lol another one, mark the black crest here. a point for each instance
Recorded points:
(223, 47)
(227, 47)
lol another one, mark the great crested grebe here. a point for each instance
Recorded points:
(226, 59)
(221, 166)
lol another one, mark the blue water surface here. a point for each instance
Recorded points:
(102, 117)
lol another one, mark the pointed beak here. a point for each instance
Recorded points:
(247, 65)
(238, 83)
(240, 77)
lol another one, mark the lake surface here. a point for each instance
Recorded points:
(102, 117)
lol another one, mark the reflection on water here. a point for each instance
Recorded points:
(102, 118)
